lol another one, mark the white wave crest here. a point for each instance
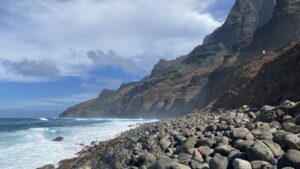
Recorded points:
(43, 119)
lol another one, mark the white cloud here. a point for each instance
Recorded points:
(64, 31)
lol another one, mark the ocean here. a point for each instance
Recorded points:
(27, 143)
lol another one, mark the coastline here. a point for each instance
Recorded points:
(248, 137)
(55, 139)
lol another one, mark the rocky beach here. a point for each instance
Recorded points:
(224, 105)
(244, 138)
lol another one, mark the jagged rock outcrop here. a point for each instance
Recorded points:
(244, 18)
(179, 86)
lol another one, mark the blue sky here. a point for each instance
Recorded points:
(54, 54)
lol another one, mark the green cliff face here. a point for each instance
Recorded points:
(179, 86)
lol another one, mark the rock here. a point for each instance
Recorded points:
(292, 141)
(279, 137)
(287, 118)
(184, 158)
(233, 155)
(161, 163)
(241, 164)
(194, 164)
(164, 143)
(259, 151)
(280, 113)
(146, 158)
(274, 147)
(223, 149)
(297, 121)
(205, 151)
(249, 136)
(197, 156)
(267, 114)
(242, 145)
(118, 165)
(48, 166)
(59, 138)
(250, 126)
(290, 159)
(175, 165)
(265, 135)
(218, 162)
(222, 140)
(259, 164)
(188, 144)
(169, 151)
(205, 142)
(203, 166)
(211, 127)
(239, 133)
(267, 108)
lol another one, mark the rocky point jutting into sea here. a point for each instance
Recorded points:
(252, 59)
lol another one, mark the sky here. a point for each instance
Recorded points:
(57, 53)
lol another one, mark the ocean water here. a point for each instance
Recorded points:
(27, 143)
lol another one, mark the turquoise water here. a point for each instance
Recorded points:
(26, 143)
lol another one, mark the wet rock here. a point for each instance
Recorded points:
(241, 164)
(259, 151)
(218, 162)
(290, 159)
(59, 138)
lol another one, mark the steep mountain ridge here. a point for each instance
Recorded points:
(179, 86)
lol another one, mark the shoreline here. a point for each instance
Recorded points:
(247, 137)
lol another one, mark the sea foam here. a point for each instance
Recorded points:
(32, 148)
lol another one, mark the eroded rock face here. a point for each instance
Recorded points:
(259, 82)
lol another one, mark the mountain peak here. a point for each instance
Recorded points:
(244, 18)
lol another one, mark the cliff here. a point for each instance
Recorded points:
(195, 80)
